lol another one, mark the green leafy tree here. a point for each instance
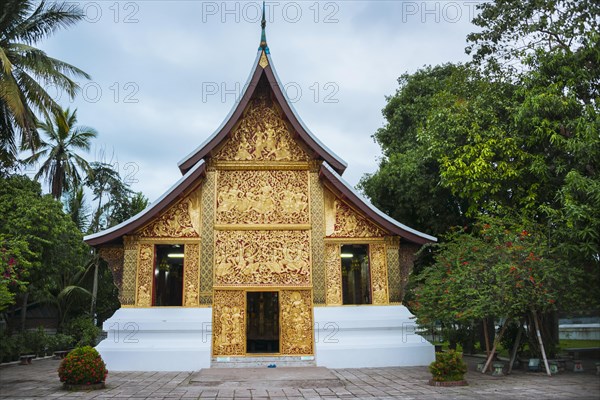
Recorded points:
(62, 164)
(25, 70)
(407, 185)
(55, 247)
(14, 264)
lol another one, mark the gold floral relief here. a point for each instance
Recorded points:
(229, 326)
(393, 269)
(262, 197)
(191, 275)
(261, 135)
(114, 259)
(379, 280)
(130, 262)
(296, 322)
(207, 238)
(279, 258)
(174, 223)
(145, 275)
(343, 221)
(317, 215)
(333, 267)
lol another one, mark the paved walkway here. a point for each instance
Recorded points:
(40, 380)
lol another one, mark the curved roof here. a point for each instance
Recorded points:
(314, 144)
(115, 233)
(358, 201)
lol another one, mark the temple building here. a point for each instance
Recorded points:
(261, 254)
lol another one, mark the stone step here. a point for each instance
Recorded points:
(263, 361)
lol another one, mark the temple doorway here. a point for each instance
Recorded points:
(262, 330)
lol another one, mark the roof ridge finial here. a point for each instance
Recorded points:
(263, 36)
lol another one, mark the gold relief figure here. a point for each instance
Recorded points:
(223, 266)
(243, 152)
(260, 144)
(282, 152)
(191, 295)
(144, 296)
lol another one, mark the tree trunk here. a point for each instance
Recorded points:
(539, 337)
(24, 310)
(486, 337)
(95, 285)
(513, 355)
(493, 352)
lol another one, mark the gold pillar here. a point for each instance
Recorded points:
(130, 257)
(191, 274)
(229, 323)
(379, 279)
(145, 275)
(333, 264)
(296, 322)
(317, 210)
(207, 237)
(393, 268)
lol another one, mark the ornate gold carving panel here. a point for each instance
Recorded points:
(130, 262)
(207, 238)
(393, 268)
(262, 197)
(145, 275)
(277, 258)
(333, 264)
(379, 280)
(176, 222)
(191, 275)
(114, 258)
(262, 135)
(317, 215)
(296, 322)
(229, 323)
(343, 221)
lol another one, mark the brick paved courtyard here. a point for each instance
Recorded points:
(40, 380)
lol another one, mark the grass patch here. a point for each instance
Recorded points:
(578, 344)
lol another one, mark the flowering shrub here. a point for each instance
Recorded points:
(82, 366)
(448, 366)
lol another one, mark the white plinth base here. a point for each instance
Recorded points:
(369, 336)
(157, 339)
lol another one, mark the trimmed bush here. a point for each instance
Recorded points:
(448, 366)
(82, 366)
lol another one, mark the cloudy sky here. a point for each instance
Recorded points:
(166, 73)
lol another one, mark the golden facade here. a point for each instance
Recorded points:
(261, 219)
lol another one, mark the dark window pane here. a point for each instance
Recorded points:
(168, 275)
(356, 274)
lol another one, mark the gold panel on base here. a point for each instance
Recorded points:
(296, 322)
(229, 323)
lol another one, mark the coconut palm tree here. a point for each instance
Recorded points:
(61, 166)
(25, 70)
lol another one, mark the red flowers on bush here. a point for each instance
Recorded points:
(82, 366)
